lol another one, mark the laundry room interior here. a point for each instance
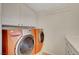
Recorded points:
(51, 28)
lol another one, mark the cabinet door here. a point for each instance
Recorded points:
(27, 16)
(10, 14)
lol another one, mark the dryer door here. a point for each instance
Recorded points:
(25, 45)
(41, 37)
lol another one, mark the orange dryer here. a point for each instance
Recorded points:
(39, 40)
(22, 41)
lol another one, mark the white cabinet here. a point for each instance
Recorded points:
(18, 14)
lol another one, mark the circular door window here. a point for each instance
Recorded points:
(41, 37)
(26, 45)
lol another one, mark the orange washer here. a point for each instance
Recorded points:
(9, 40)
(34, 35)
(11, 37)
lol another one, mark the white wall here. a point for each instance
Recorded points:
(0, 32)
(18, 14)
(56, 27)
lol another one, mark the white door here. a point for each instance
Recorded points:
(0, 31)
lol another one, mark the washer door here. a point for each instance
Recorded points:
(25, 46)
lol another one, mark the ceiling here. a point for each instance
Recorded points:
(43, 9)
